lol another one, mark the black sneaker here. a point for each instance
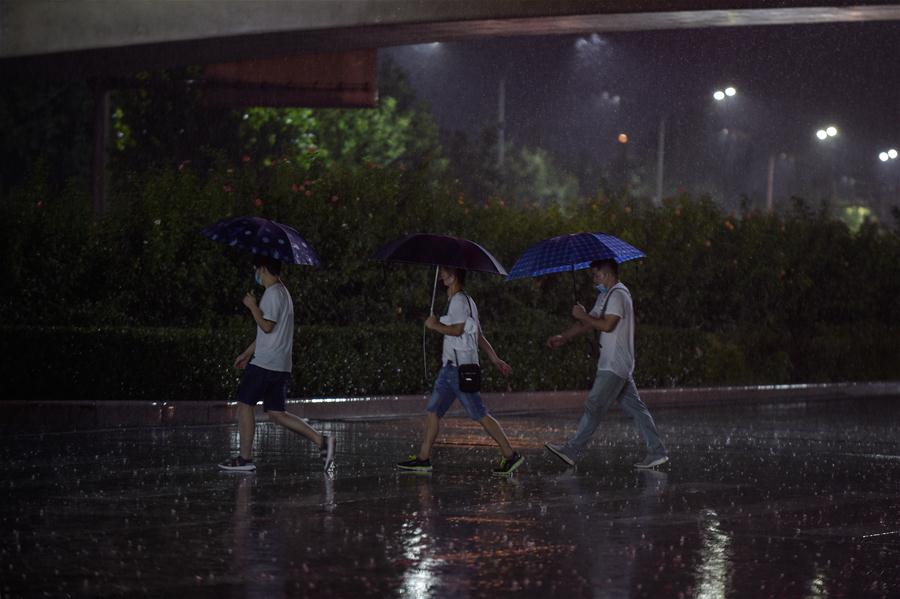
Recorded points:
(414, 464)
(326, 451)
(238, 464)
(508, 465)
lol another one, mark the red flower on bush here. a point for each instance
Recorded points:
(227, 188)
(245, 158)
(257, 202)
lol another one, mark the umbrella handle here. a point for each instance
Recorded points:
(437, 270)
(433, 293)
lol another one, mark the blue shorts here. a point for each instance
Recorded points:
(446, 389)
(270, 386)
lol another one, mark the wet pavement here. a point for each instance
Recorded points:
(790, 500)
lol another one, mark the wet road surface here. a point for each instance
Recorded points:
(789, 500)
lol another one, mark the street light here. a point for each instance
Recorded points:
(887, 155)
(892, 153)
(728, 92)
(825, 133)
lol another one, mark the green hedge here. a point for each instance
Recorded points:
(165, 364)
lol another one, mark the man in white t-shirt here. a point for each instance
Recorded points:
(462, 338)
(613, 316)
(267, 368)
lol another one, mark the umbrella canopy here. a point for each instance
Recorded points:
(440, 250)
(264, 237)
(570, 253)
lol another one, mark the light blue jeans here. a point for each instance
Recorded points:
(446, 390)
(608, 388)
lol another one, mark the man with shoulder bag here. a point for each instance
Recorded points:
(460, 375)
(613, 316)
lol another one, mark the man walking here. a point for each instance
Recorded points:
(267, 368)
(462, 338)
(613, 316)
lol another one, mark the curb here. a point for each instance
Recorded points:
(22, 416)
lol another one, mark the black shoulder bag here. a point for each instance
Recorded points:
(469, 374)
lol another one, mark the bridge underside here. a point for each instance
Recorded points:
(83, 38)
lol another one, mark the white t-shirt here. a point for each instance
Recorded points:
(617, 346)
(460, 309)
(273, 349)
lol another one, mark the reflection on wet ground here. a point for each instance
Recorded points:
(789, 500)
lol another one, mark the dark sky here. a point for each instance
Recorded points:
(791, 80)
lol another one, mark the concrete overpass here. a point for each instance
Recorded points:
(100, 37)
(322, 52)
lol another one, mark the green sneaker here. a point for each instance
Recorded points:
(508, 465)
(414, 464)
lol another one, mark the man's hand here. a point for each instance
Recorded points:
(504, 368)
(578, 312)
(249, 300)
(242, 361)
(431, 322)
(556, 341)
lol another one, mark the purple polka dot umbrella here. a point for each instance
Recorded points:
(263, 237)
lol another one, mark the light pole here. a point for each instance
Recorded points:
(824, 135)
(720, 95)
(891, 156)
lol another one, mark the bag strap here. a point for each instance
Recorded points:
(603, 313)
(606, 299)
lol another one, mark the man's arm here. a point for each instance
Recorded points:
(244, 358)
(579, 328)
(453, 330)
(262, 323)
(606, 323)
(504, 368)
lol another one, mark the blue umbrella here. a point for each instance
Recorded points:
(264, 237)
(570, 253)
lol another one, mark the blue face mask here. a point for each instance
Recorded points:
(601, 288)
(257, 277)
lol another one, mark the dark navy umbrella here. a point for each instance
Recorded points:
(263, 237)
(570, 253)
(440, 250)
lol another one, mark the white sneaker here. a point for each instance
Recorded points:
(560, 452)
(652, 462)
(238, 464)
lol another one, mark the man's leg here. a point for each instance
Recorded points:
(442, 397)
(493, 428)
(432, 427)
(246, 429)
(296, 424)
(633, 405)
(607, 387)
